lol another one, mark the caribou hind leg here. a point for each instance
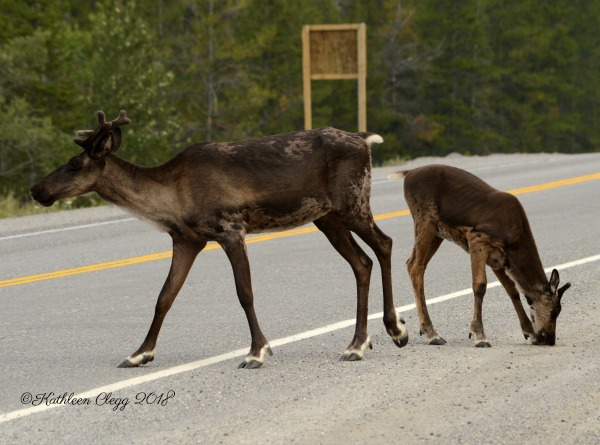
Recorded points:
(341, 239)
(426, 245)
(184, 254)
(381, 244)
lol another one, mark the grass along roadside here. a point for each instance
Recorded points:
(12, 205)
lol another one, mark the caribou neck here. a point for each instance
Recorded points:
(143, 191)
(525, 266)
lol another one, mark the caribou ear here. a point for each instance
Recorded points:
(562, 290)
(109, 143)
(553, 283)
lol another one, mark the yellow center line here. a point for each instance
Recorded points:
(258, 238)
(555, 184)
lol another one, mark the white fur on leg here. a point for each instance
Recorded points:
(358, 352)
(257, 359)
(136, 360)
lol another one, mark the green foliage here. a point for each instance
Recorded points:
(28, 144)
(475, 76)
(121, 69)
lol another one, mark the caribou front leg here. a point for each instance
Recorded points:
(235, 248)
(513, 293)
(184, 254)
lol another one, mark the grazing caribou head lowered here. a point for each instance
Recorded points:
(452, 204)
(220, 192)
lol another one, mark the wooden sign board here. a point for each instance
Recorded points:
(335, 52)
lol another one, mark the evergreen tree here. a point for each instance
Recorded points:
(476, 76)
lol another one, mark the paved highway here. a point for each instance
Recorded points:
(78, 291)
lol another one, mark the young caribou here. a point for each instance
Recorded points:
(221, 191)
(452, 204)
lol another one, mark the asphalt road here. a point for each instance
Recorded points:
(68, 332)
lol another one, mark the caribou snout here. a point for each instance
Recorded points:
(40, 194)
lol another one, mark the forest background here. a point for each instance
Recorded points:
(469, 76)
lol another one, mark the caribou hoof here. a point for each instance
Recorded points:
(400, 339)
(352, 357)
(250, 364)
(133, 361)
(481, 343)
(531, 337)
(437, 341)
(401, 342)
(354, 354)
(253, 361)
(127, 363)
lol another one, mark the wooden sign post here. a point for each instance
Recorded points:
(335, 52)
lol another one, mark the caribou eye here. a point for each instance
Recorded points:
(529, 301)
(75, 164)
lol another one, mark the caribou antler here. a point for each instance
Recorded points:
(93, 137)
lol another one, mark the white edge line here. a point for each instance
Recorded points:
(64, 229)
(6, 417)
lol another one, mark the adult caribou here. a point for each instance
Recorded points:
(222, 191)
(491, 225)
